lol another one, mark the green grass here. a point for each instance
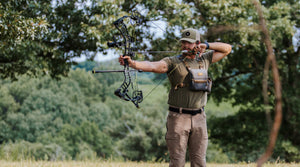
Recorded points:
(121, 164)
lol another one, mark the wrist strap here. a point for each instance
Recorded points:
(207, 45)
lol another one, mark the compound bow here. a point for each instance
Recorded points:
(136, 96)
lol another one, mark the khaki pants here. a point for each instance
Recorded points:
(186, 130)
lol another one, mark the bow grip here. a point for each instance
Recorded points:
(130, 54)
(125, 62)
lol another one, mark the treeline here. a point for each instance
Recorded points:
(78, 117)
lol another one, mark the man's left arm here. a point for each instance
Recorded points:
(220, 50)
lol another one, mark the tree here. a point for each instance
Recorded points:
(239, 76)
(282, 22)
(48, 115)
(41, 37)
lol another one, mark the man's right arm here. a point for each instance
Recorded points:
(146, 66)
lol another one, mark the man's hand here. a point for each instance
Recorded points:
(128, 58)
(201, 48)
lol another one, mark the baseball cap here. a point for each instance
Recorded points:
(190, 35)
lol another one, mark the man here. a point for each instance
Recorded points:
(186, 122)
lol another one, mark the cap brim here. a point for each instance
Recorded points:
(188, 39)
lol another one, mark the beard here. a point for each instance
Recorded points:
(188, 52)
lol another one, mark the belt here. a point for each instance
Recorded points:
(186, 111)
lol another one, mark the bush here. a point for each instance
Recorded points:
(23, 150)
(215, 154)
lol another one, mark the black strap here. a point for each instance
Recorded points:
(186, 111)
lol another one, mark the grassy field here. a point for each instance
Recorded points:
(119, 164)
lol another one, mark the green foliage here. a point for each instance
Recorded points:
(216, 154)
(91, 89)
(70, 115)
(245, 132)
(61, 117)
(140, 132)
(223, 109)
(22, 150)
(84, 140)
(290, 152)
(40, 38)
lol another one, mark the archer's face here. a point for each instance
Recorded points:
(185, 45)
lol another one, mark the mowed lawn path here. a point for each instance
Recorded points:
(121, 164)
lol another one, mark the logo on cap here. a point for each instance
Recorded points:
(191, 35)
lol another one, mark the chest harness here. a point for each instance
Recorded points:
(198, 79)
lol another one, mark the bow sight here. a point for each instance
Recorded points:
(114, 44)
